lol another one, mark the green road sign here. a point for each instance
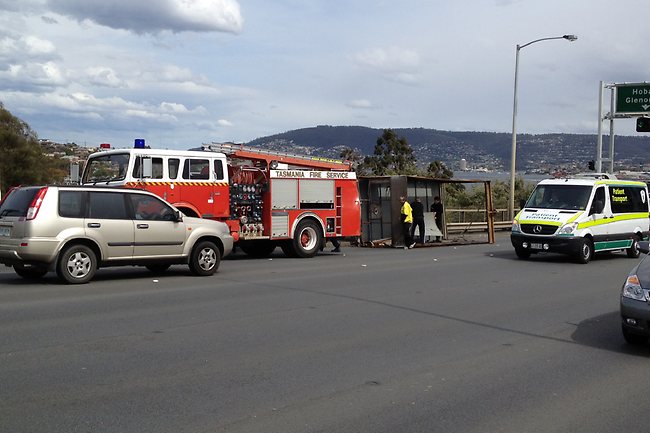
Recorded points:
(633, 98)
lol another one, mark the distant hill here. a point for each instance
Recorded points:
(545, 152)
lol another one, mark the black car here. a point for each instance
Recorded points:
(635, 300)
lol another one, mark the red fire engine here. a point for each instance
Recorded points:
(268, 199)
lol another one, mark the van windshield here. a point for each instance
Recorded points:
(106, 168)
(574, 197)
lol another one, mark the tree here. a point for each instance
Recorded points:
(393, 155)
(355, 157)
(22, 160)
(439, 170)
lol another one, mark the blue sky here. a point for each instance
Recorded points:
(183, 72)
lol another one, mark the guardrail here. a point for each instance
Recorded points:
(476, 226)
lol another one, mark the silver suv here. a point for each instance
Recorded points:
(75, 230)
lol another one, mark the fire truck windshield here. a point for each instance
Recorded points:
(106, 168)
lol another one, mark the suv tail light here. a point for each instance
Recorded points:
(32, 211)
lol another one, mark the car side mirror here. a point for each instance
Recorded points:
(178, 216)
(644, 247)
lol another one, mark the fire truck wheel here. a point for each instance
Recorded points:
(205, 259)
(287, 248)
(307, 239)
(257, 248)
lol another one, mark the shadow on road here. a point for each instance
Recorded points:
(604, 332)
(553, 257)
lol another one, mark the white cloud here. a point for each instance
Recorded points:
(36, 46)
(30, 76)
(360, 103)
(19, 49)
(224, 122)
(156, 16)
(390, 59)
(103, 76)
(395, 64)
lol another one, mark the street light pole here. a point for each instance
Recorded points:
(513, 149)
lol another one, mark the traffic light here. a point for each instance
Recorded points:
(592, 165)
(643, 124)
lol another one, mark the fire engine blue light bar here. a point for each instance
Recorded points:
(139, 143)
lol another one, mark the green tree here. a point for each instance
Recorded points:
(356, 159)
(438, 170)
(22, 160)
(393, 155)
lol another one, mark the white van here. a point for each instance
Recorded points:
(580, 217)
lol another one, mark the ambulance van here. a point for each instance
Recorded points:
(580, 217)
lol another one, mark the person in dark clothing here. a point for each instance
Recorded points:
(436, 207)
(418, 219)
(336, 244)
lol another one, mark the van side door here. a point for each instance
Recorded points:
(599, 216)
(629, 204)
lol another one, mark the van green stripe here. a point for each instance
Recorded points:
(613, 245)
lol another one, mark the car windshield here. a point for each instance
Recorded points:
(106, 168)
(574, 197)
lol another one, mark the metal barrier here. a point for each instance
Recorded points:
(475, 220)
(476, 226)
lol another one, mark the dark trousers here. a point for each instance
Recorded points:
(419, 223)
(406, 229)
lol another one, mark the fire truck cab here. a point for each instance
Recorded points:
(268, 199)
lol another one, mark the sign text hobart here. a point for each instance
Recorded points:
(633, 98)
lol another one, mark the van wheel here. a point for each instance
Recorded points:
(205, 259)
(30, 272)
(586, 251)
(634, 339)
(307, 239)
(77, 264)
(633, 252)
(522, 253)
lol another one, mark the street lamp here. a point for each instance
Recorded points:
(513, 156)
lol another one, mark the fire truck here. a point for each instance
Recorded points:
(268, 199)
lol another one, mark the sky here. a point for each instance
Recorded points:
(179, 73)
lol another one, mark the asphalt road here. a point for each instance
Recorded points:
(453, 339)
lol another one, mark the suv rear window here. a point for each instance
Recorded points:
(18, 201)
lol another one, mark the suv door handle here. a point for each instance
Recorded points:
(94, 225)
(142, 226)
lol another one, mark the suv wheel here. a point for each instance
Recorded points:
(77, 264)
(158, 268)
(30, 272)
(205, 259)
